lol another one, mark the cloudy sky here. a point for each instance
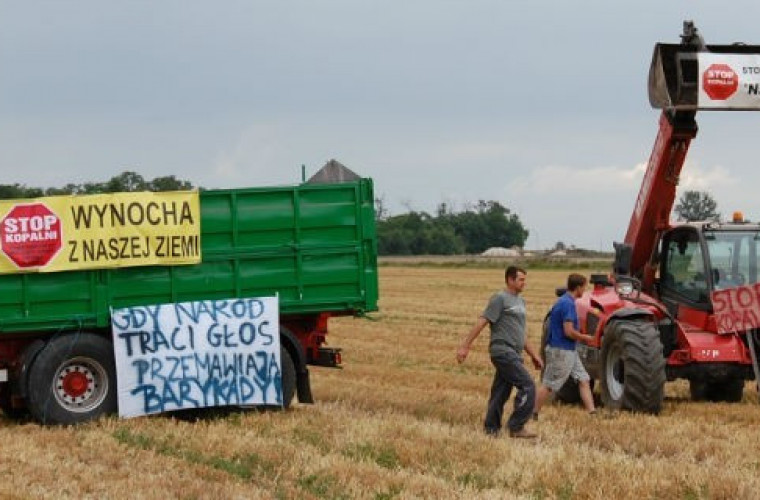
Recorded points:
(541, 105)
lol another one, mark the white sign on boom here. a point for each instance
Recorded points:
(729, 81)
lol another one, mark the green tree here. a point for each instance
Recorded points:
(11, 191)
(126, 181)
(169, 183)
(696, 205)
(489, 224)
(486, 224)
(442, 240)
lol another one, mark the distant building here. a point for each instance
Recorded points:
(333, 171)
(501, 252)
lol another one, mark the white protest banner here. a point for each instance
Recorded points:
(197, 354)
(729, 81)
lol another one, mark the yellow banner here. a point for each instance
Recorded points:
(60, 233)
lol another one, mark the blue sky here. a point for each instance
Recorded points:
(539, 105)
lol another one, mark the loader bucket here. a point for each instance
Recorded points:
(689, 77)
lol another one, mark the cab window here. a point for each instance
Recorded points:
(733, 257)
(684, 267)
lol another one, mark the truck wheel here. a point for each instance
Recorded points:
(569, 392)
(72, 380)
(288, 377)
(633, 367)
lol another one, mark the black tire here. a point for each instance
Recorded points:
(729, 391)
(633, 367)
(73, 380)
(732, 390)
(288, 377)
(569, 393)
(699, 390)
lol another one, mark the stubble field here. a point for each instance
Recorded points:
(401, 420)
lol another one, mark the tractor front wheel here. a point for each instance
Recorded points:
(633, 367)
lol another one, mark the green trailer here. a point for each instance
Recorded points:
(312, 245)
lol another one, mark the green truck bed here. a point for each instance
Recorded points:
(314, 245)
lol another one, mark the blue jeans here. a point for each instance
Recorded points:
(510, 372)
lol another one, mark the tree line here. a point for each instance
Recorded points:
(486, 224)
(126, 181)
(478, 227)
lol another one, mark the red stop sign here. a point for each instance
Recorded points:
(720, 82)
(30, 235)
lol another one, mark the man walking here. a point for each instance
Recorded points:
(562, 360)
(505, 314)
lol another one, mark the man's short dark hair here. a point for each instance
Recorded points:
(574, 281)
(512, 271)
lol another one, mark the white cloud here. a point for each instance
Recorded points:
(565, 179)
(591, 207)
(697, 179)
(557, 179)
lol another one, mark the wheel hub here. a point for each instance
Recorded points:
(615, 374)
(75, 383)
(81, 384)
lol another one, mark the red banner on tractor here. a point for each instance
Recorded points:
(737, 309)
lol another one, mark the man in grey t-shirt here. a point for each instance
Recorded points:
(506, 315)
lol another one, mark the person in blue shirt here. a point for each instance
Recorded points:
(562, 360)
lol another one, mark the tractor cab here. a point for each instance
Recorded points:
(699, 258)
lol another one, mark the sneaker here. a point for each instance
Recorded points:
(522, 434)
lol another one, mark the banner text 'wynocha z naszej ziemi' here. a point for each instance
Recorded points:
(60, 233)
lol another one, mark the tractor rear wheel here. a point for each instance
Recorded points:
(699, 390)
(633, 367)
(730, 391)
(733, 390)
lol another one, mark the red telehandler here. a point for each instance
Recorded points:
(653, 318)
